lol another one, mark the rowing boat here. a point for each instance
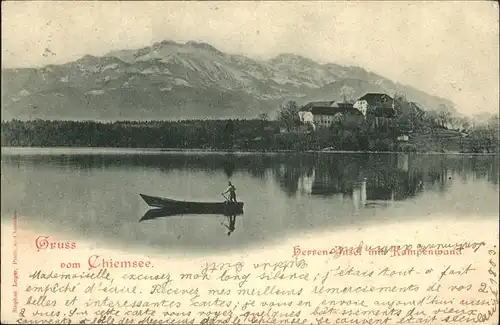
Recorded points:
(186, 207)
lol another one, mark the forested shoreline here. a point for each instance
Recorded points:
(258, 134)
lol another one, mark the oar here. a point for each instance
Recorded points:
(225, 197)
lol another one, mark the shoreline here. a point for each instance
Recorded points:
(9, 150)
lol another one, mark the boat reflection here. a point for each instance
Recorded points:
(162, 213)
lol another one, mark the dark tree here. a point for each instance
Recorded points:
(289, 115)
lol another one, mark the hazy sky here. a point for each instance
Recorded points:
(449, 49)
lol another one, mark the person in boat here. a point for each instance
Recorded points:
(232, 192)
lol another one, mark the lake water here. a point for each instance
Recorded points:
(94, 194)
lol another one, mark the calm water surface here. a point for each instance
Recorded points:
(95, 193)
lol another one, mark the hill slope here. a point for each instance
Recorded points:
(169, 80)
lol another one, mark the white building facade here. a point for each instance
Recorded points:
(379, 104)
(324, 114)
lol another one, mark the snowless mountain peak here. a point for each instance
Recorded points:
(290, 58)
(179, 80)
(203, 46)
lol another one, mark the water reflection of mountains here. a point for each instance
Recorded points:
(379, 176)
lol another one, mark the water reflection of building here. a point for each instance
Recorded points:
(403, 161)
(288, 177)
(306, 181)
(322, 181)
(359, 195)
(381, 181)
(395, 185)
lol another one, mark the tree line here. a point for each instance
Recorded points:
(257, 134)
(189, 134)
(286, 132)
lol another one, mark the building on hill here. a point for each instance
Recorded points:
(324, 113)
(376, 104)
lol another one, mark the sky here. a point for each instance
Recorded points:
(449, 49)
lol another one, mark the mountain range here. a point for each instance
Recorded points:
(171, 80)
